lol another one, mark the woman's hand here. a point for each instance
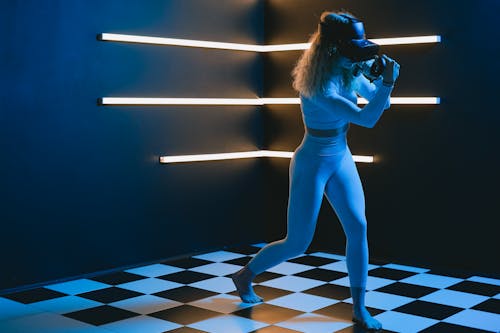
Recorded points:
(391, 71)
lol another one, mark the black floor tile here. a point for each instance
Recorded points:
(186, 277)
(185, 314)
(450, 273)
(185, 294)
(117, 278)
(312, 260)
(356, 328)
(378, 262)
(343, 311)
(428, 309)
(330, 291)
(266, 276)
(275, 329)
(406, 289)
(243, 249)
(101, 315)
(267, 293)
(110, 295)
(476, 288)
(187, 262)
(390, 273)
(267, 313)
(450, 328)
(239, 261)
(34, 295)
(322, 274)
(185, 330)
(491, 305)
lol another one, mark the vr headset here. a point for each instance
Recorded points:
(351, 42)
(350, 39)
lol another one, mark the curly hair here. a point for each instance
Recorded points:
(318, 65)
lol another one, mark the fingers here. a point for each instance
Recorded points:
(391, 62)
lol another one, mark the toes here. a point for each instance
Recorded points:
(252, 299)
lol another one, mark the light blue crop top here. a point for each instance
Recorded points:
(318, 118)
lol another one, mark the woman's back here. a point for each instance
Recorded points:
(317, 117)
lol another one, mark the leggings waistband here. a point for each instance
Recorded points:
(327, 132)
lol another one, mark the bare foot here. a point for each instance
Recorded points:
(243, 282)
(364, 318)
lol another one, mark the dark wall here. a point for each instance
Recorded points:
(82, 188)
(432, 195)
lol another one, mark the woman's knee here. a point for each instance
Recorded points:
(297, 246)
(355, 227)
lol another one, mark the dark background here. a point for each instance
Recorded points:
(82, 190)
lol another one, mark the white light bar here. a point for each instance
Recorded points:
(179, 101)
(242, 101)
(408, 100)
(407, 40)
(178, 42)
(250, 47)
(239, 155)
(209, 157)
(379, 41)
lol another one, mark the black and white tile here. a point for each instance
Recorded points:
(308, 294)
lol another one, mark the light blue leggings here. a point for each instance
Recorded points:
(322, 165)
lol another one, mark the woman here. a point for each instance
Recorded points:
(327, 80)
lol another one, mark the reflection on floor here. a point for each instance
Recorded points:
(309, 293)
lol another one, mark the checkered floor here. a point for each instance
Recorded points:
(309, 293)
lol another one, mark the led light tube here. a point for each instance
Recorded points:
(251, 47)
(408, 100)
(239, 155)
(179, 101)
(242, 101)
(178, 42)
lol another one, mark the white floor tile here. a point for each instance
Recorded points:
(218, 269)
(141, 324)
(476, 319)
(154, 270)
(338, 266)
(288, 268)
(383, 301)
(454, 298)
(292, 283)
(146, 304)
(303, 302)
(65, 304)
(217, 284)
(484, 280)
(222, 303)
(219, 256)
(228, 323)
(48, 323)
(150, 285)
(431, 280)
(372, 282)
(407, 268)
(313, 323)
(78, 286)
(328, 255)
(341, 266)
(11, 309)
(404, 323)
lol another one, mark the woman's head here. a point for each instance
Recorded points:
(322, 63)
